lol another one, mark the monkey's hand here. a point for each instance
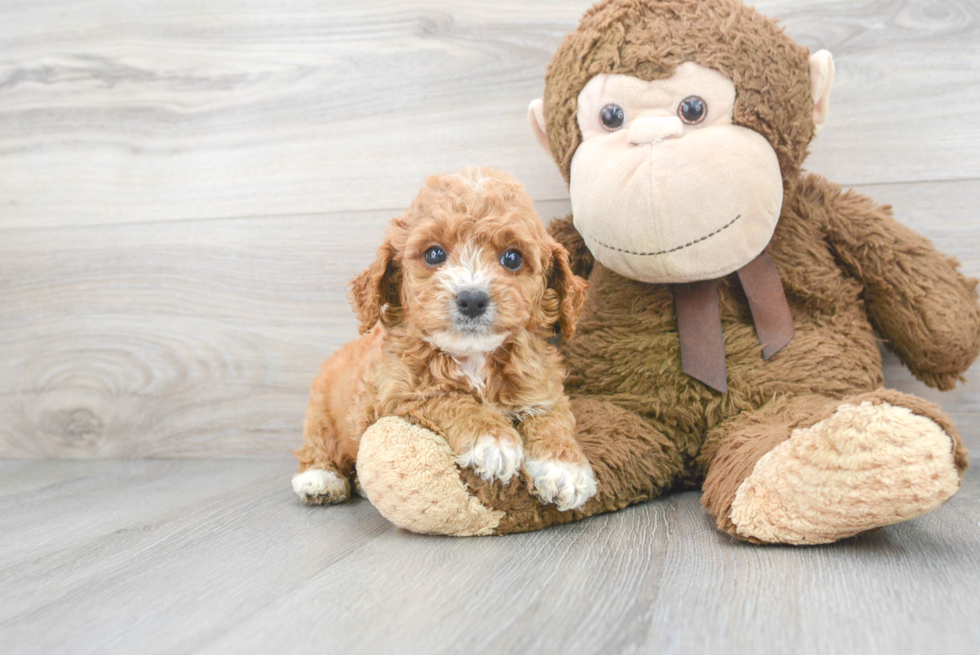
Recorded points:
(579, 257)
(916, 297)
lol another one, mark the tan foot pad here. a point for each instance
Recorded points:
(409, 474)
(864, 467)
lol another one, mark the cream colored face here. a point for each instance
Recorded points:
(661, 198)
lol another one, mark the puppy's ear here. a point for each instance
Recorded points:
(565, 297)
(374, 294)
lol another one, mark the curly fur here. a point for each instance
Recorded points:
(502, 381)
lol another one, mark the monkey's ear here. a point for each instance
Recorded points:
(565, 297)
(821, 80)
(374, 294)
(535, 118)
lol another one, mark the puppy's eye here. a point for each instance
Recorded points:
(512, 260)
(612, 117)
(692, 110)
(435, 256)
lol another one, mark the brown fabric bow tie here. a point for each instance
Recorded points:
(699, 320)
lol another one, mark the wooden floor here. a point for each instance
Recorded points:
(186, 186)
(219, 557)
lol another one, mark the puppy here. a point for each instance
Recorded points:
(456, 311)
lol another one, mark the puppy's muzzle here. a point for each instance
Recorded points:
(472, 304)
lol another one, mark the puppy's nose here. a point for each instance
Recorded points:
(472, 303)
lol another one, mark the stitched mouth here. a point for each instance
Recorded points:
(670, 250)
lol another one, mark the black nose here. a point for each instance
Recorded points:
(472, 303)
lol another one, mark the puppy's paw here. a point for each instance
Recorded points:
(490, 458)
(565, 484)
(321, 487)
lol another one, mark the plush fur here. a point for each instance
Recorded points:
(851, 273)
(491, 384)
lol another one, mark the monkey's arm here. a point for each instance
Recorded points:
(580, 259)
(916, 298)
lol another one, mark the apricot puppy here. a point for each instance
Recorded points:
(456, 311)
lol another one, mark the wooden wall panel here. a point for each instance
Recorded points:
(118, 112)
(186, 187)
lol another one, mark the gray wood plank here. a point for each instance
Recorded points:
(235, 519)
(118, 112)
(218, 556)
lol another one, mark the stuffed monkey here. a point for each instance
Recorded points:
(729, 339)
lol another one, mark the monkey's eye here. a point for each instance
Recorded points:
(692, 110)
(512, 260)
(435, 256)
(612, 117)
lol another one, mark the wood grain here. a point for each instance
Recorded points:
(116, 112)
(219, 556)
(129, 330)
(186, 187)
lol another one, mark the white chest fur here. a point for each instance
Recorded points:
(473, 368)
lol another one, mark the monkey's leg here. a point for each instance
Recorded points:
(410, 475)
(811, 470)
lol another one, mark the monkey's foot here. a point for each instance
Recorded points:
(865, 466)
(410, 475)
